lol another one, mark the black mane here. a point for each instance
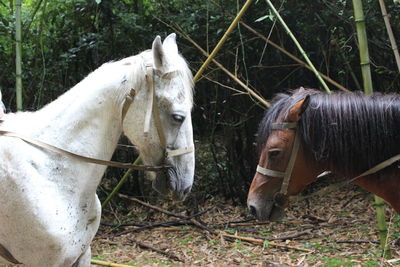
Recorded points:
(351, 132)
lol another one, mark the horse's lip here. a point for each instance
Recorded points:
(276, 210)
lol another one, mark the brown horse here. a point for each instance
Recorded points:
(307, 132)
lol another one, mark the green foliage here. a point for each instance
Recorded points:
(65, 40)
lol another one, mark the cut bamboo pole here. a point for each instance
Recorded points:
(302, 63)
(223, 39)
(366, 73)
(196, 77)
(390, 33)
(363, 46)
(106, 263)
(289, 32)
(261, 241)
(137, 161)
(18, 69)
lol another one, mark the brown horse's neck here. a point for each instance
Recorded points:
(384, 186)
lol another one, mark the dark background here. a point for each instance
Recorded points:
(63, 41)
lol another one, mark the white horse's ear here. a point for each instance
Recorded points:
(169, 44)
(158, 53)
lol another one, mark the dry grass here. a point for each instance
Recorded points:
(332, 227)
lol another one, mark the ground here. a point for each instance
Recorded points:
(336, 229)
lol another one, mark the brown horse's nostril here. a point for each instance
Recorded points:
(253, 210)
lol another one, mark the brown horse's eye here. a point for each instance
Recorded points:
(273, 153)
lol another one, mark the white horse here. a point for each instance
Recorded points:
(49, 210)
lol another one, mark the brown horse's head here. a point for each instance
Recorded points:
(268, 194)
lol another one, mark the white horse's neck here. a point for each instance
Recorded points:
(86, 120)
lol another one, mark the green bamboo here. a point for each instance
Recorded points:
(195, 79)
(110, 264)
(363, 45)
(289, 32)
(366, 73)
(18, 69)
(390, 33)
(137, 161)
(223, 39)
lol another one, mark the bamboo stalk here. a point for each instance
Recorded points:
(289, 32)
(106, 263)
(261, 241)
(18, 57)
(223, 39)
(138, 160)
(390, 33)
(284, 51)
(363, 45)
(366, 73)
(219, 65)
(230, 74)
(302, 63)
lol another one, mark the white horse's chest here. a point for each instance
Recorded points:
(44, 212)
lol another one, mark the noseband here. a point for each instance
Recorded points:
(281, 197)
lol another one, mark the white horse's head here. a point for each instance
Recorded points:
(173, 88)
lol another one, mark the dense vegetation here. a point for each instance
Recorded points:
(64, 40)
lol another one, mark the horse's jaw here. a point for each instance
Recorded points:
(176, 181)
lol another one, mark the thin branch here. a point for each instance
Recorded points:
(261, 241)
(250, 91)
(302, 63)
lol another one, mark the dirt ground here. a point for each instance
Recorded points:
(337, 229)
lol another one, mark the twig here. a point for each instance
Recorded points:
(287, 237)
(163, 252)
(150, 226)
(357, 242)
(251, 92)
(201, 226)
(152, 206)
(302, 63)
(141, 245)
(261, 241)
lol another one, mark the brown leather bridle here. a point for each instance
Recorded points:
(281, 197)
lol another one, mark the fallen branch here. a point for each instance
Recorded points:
(106, 263)
(163, 210)
(287, 237)
(150, 226)
(160, 251)
(152, 206)
(357, 242)
(261, 241)
(141, 245)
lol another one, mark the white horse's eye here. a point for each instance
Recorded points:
(178, 118)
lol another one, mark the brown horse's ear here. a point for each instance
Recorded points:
(297, 109)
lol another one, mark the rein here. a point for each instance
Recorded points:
(281, 197)
(152, 108)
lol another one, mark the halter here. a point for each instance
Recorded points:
(281, 197)
(152, 110)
